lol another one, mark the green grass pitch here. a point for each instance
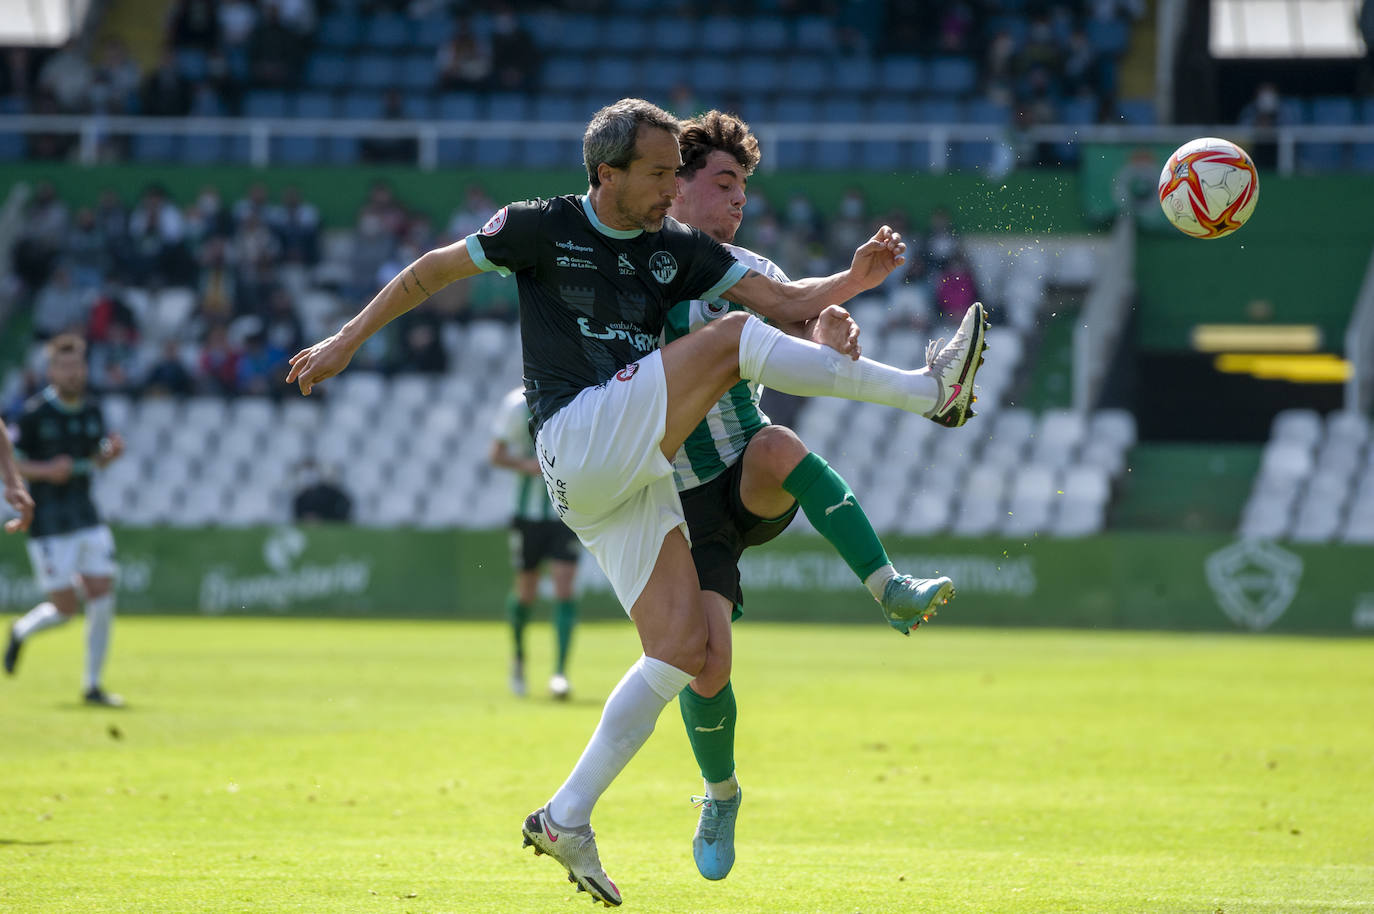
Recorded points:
(328, 766)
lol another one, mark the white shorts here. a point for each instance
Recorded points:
(58, 559)
(607, 478)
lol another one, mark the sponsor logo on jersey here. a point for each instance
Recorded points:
(495, 223)
(627, 372)
(644, 342)
(574, 263)
(663, 266)
(626, 268)
(571, 246)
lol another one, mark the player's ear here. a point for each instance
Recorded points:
(606, 173)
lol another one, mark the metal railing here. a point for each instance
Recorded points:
(92, 130)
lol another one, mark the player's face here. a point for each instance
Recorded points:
(644, 191)
(713, 198)
(67, 372)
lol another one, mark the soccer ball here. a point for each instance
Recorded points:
(1208, 188)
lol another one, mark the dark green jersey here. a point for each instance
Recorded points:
(49, 428)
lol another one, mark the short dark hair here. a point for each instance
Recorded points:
(66, 344)
(716, 130)
(612, 132)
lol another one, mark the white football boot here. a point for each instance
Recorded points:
(575, 848)
(953, 365)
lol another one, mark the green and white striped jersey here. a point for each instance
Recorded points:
(512, 426)
(720, 439)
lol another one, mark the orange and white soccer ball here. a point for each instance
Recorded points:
(1208, 188)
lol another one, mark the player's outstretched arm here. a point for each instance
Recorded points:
(16, 493)
(804, 299)
(501, 455)
(417, 282)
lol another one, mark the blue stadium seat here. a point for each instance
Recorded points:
(833, 155)
(551, 154)
(806, 74)
(982, 111)
(659, 74)
(1334, 110)
(676, 35)
(191, 63)
(953, 75)
(264, 103)
(458, 106)
(1367, 110)
(564, 73)
(238, 149)
(494, 151)
(374, 71)
(342, 150)
(507, 106)
(575, 33)
(455, 152)
(1362, 157)
(815, 33)
(386, 30)
(792, 154)
(418, 72)
(430, 32)
(13, 147)
(719, 74)
(13, 104)
(156, 147)
(339, 30)
(297, 150)
(313, 104)
(1077, 110)
(726, 34)
(617, 76)
(757, 74)
(971, 155)
(883, 156)
(1323, 156)
(903, 73)
(854, 74)
(327, 70)
(1137, 111)
(203, 149)
(842, 108)
(767, 34)
(625, 34)
(362, 106)
(1109, 36)
(886, 110)
(938, 111)
(555, 108)
(418, 106)
(790, 109)
(1015, 26)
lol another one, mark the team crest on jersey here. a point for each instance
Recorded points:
(663, 266)
(627, 372)
(715, 308)
(495, 223)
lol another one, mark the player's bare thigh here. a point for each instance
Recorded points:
(670, 615)
(699, 368)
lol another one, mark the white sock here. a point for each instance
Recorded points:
(722, 790)
(626, 722)
(794, 366)
(877, 581)
(99, 620)
(44, 615)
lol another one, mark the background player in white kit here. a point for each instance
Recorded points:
(537, 537)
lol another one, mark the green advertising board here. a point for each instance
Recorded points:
(1125, 580)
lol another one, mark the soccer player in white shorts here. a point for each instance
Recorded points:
(596, 274)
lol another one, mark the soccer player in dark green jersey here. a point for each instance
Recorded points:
(742, 479)
(537, 537)
(62, 441)
(596, 274)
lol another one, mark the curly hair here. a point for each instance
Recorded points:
(714, 130)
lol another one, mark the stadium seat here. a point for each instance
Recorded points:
(374, 71)
(759, 74)
(953, 76)
(726, 34)
(904, 73)
(386, 30)
(312, 105)
(676, 35)
(805, 74)
(13, 147)
(660, 75)
(506, 106)
(362, 106)
(156, 147)
(191, 63)
(816, 34)
(564, 73)
(419, 106)
(297, 150)
(767, 34)
(1108, 36)
(573, 32)
(616, 76)
(854, 74)
(339, 30)
(327, 69)
(418, 73)
(1137, 111)
(458, 107)
(264, 103)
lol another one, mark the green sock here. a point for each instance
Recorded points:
(711, 729)
(835, 513)
(517, 614)
(564, 618)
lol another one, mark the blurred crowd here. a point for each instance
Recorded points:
(208, 295)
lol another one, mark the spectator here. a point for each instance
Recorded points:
(850, 228)
(274, 52)
(464, 62)
(260, 366)
(219, 363)
(382, 150)
(113, 365)
(513, 49)
(282, 326)
(253, 251)
(419, 346)
(207, 217)
(955, 290)
(41, 236)
(195, 25)
(296, 15)
(940, 243)
(165, 92)
(237, 18)
(60, 306)
(319, 498)
(297, 226)
(168, 376)
(85, 251)
(66, 78)
(114, 83)
(219, 301)
(157, 236)
(109, 314)
(253, 202)
(473, 214)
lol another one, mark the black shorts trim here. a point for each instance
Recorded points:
(722, 528)
(533, 542)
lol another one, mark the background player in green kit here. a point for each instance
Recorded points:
(742, 479)
(537, 536)
(61, 441)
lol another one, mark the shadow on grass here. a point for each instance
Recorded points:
(18, 843)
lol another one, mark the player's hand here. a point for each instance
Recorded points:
(834, 327)
(60, 469)
(21, 501)
(112, 446)
(877, 257)
(323, 360)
